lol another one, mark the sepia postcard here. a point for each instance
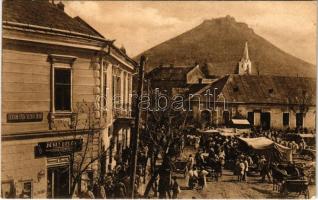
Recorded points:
(158, 99)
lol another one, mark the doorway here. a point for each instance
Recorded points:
(226, 117)
(58, 182)
(299, 120)
(250, 118)
(205, 118)
(265, 120)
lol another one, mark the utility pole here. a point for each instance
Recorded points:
(135, 130)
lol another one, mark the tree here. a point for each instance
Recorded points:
(85, 125)
(162, 135)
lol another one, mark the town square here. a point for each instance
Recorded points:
(158, 99)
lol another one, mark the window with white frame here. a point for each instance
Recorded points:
(61, 76)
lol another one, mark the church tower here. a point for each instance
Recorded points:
(245, 65)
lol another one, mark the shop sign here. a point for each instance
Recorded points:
(24, 117)
(58, 148)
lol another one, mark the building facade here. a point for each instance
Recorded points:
(59, 79)
(266, 101)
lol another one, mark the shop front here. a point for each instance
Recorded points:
(38, 168)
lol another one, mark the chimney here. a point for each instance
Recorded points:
(60, 6)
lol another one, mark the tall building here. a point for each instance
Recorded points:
(59, 79)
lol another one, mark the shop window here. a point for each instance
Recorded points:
(285, 119)
(8, 189)
(62, 89)
(26, 190)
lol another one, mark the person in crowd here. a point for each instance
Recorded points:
(90, 193)
(246, 168)
(241, 170)
(182, 144)
(190, 178)
(102, 192)
(197, 142)
(175, 188)
(261, 162)
(202, 178)
(198, 159)
(195, 172)
(190, 162)
(120, 190)
(109, 186)
(96, 189)
(265, 172)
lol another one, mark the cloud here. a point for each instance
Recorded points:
(141, 25)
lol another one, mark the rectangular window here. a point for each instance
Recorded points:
(62, 89)
(124, 90)
(129, 93)
(250, 118)
(27, 190)
(285, 119)
(8, 189)
(104, 98)
(113, 89)
(118, 92)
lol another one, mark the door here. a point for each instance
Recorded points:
(58, 182)
(250, 118)
(299, 120)
(265, 120)
(226, 117)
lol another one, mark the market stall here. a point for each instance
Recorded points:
(240, 125)
(268, 147)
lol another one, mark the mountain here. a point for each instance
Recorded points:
(219, 44)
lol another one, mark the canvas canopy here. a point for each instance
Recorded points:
(307, 135)
(211, 131)
(240, 122)
(240, 125)
(228, 132)
(269, 146)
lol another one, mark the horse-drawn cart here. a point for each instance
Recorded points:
(180, 167)
(298, 186)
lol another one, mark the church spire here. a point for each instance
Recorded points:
(245, 65)
(245, 53)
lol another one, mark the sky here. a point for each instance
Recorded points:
(140, 25)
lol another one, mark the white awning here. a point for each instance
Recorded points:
(307, 135)
(240, 122)
(211, 131)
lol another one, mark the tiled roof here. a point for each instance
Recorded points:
(266, 89)
(43, 13)
(169, 73)
(219, 69)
